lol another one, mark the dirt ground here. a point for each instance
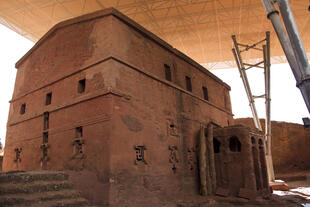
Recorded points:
(299, 188)
(297, 195)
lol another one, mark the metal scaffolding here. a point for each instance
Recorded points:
(264, 47)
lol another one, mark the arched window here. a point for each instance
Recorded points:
(253, 140)
(234, 144)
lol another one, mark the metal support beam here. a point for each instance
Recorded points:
(291, 44)
(298, 48)
(266, 50)
(245, 81)
(266, 67)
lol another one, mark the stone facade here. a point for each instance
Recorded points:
(115, 106)
(240, 163)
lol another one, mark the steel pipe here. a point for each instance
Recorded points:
(273, 15)
(266, 50)
(298, 48)
(293, 33)
(246, 84)
(293, 47)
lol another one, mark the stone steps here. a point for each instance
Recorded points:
(76, 202)
(37, 186)
(38, 189)
(38, 197)
(30, 176)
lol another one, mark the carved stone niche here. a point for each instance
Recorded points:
(172, 128)
(174, 157)
(44, 147)
(18, 151)
(78, 148)
(140, 149)
(191, 158)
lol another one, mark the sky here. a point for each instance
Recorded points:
(286, 104)
(12, 47)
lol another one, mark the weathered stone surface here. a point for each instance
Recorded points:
(124, 131)
(240, 162)
(222, 192)
(38, 188)
(247, 193)
(290, 145)
(132, 123)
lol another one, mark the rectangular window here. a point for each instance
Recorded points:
(205, 93)
(168, 72)
(45, 137)
(188, 83)
(22, 109)
(81, 86)
(78, 132)
(48, 99)
(46, 117)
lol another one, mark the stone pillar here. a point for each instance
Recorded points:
(202, 161)
(211, 178)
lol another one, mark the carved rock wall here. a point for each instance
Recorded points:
(290, 145)
(130, 136)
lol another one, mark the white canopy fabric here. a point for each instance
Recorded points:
(201, 29)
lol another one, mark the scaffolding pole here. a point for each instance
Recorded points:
(242, 70)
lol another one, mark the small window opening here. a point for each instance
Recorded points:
(45, 137)
(171, 125)
(168, 72)
(260, 142)
(22, 109)
(46, 116)
(81, 85)
(79, 132)
(216, 146)
(253, 140)
(48, 99)
(205, 93)
(234, 144)
(188, 83)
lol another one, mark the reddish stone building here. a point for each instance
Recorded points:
(117, 107)
(240, 163)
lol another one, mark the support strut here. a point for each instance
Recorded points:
(291, 44)
(242, 70)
